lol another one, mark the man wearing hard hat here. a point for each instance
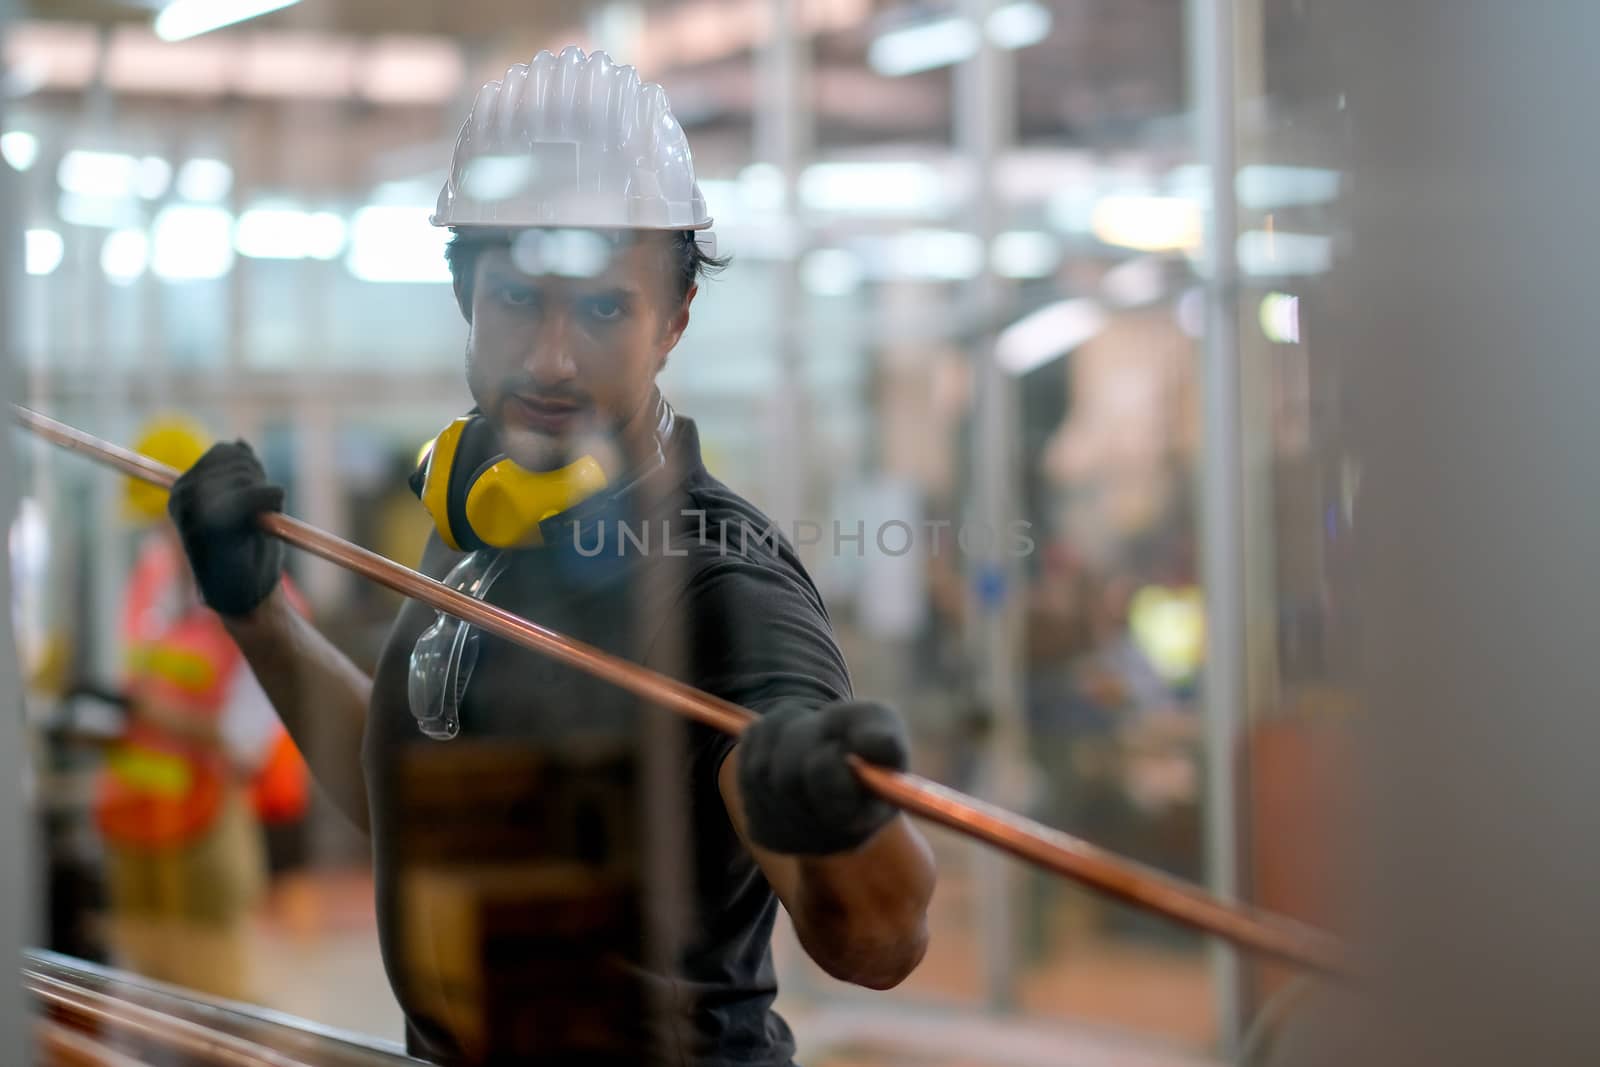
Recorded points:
(200, 763)
(580, 235)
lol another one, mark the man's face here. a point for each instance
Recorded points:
(567, 335)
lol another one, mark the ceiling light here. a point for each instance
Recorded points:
(192, 243)
(1148, 223)
(205, 181)
(152, 178)
(288, 233)
(925, 46)
(19, 148)
(98, 211)
(892, 188)
(390, 243)
(43, 251)
(103, 174)
(1273, 253)
(1262, 187)
(183, 19)
(1018, 25)
(125, 255)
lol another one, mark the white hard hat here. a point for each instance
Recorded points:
(572, 141)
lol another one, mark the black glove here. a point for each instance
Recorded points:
(800, 796)
(215, 504)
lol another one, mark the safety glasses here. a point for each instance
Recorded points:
(444, 656)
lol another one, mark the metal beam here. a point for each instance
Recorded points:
(16, 879)
(1211, 43)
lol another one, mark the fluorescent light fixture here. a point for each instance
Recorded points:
(101, 174)
(100, 212)
(42, 251)
(1148, 223)
(1025, 254)
(19, 148)
(125, 255)
(1275, 254)
(183, 19)
(205, 181)
(289, 233)
(192, 243)
(897, 189)
(925, 46)
(391, 243)
(1280, 318)
(1047, 334)
(830, 272)
(953, 39)
(1262, 187)
(1018, 25)
(152, 178)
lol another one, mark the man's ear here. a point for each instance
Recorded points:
(676, 325)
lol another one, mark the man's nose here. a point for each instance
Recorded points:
(549, 358)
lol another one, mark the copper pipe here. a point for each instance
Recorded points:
(1248, 928)
(97, 1011)
(65, 1047)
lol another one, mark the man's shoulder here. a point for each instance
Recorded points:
(725, 536)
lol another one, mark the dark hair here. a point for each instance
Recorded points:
(689, 261)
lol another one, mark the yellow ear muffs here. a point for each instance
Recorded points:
(505, 503)
(497, 503)
(435, 491)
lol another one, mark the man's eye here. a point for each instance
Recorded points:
(603, 308)
(519, 296)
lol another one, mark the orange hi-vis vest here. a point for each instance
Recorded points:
(164, 787)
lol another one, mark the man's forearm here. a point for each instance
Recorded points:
(318, 693)
(862, 915)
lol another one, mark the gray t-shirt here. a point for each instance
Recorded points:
(514, 892)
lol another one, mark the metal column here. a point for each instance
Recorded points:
(985, 117)
(1212, 58)
(783, 138)
(17, 890)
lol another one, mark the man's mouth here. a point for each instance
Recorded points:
(544, 414)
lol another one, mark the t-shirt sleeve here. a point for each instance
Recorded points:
(760, 637)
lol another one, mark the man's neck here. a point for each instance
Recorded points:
(641, 439)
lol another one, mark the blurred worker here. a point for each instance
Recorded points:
(201, 762)
(579, 236)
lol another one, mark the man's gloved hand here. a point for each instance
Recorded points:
(215, 504)
(800, 796)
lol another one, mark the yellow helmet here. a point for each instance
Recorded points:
(171, 439)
